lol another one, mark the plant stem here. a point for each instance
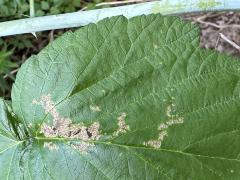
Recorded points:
(32, 9)
(83, 18)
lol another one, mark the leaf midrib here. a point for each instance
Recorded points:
(135, 147)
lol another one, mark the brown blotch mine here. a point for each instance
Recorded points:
(63, 127)
(50, 146)
(122, 126)
(95, 108)
(163, 127)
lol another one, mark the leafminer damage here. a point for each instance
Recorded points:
(122, 126)
(65, 128)
(163, 127)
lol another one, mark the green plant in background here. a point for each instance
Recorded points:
(56, 6)
(49, 7)
(124, 99)
(13, 8)
(5, 68)
(19, 8)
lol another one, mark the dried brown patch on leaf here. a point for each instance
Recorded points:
(158, 142)
(178, 120)
(79, 131)
(48, 131)
(162, 135)
(93, 131)
(63, 127)
(122, 126)
(95, 108)
(155, 46)
(49, 107)
(163, 127)
(30, 125)
(169, 111)
(50, 146)
(83, 147)
(153, 143)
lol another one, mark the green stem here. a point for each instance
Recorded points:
(32, 9)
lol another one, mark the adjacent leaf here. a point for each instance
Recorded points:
(9, 147)
(128, 99)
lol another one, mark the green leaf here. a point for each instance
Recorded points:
(40, 13)
(10, 150)
(45, 5)
(5, 64)
(54, 10)
(77, 3)
(5, 67)
(128, 99)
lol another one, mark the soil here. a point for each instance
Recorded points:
(227, 23)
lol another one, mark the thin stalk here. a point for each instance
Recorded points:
(32, 9)
(83, 18)
(32, 13)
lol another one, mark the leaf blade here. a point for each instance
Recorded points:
(160, 102)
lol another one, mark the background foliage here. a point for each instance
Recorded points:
(18, 8)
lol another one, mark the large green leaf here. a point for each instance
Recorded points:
(127, 99)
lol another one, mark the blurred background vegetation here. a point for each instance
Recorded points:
(14, 50)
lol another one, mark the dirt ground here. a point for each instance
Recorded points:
(214, 24)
